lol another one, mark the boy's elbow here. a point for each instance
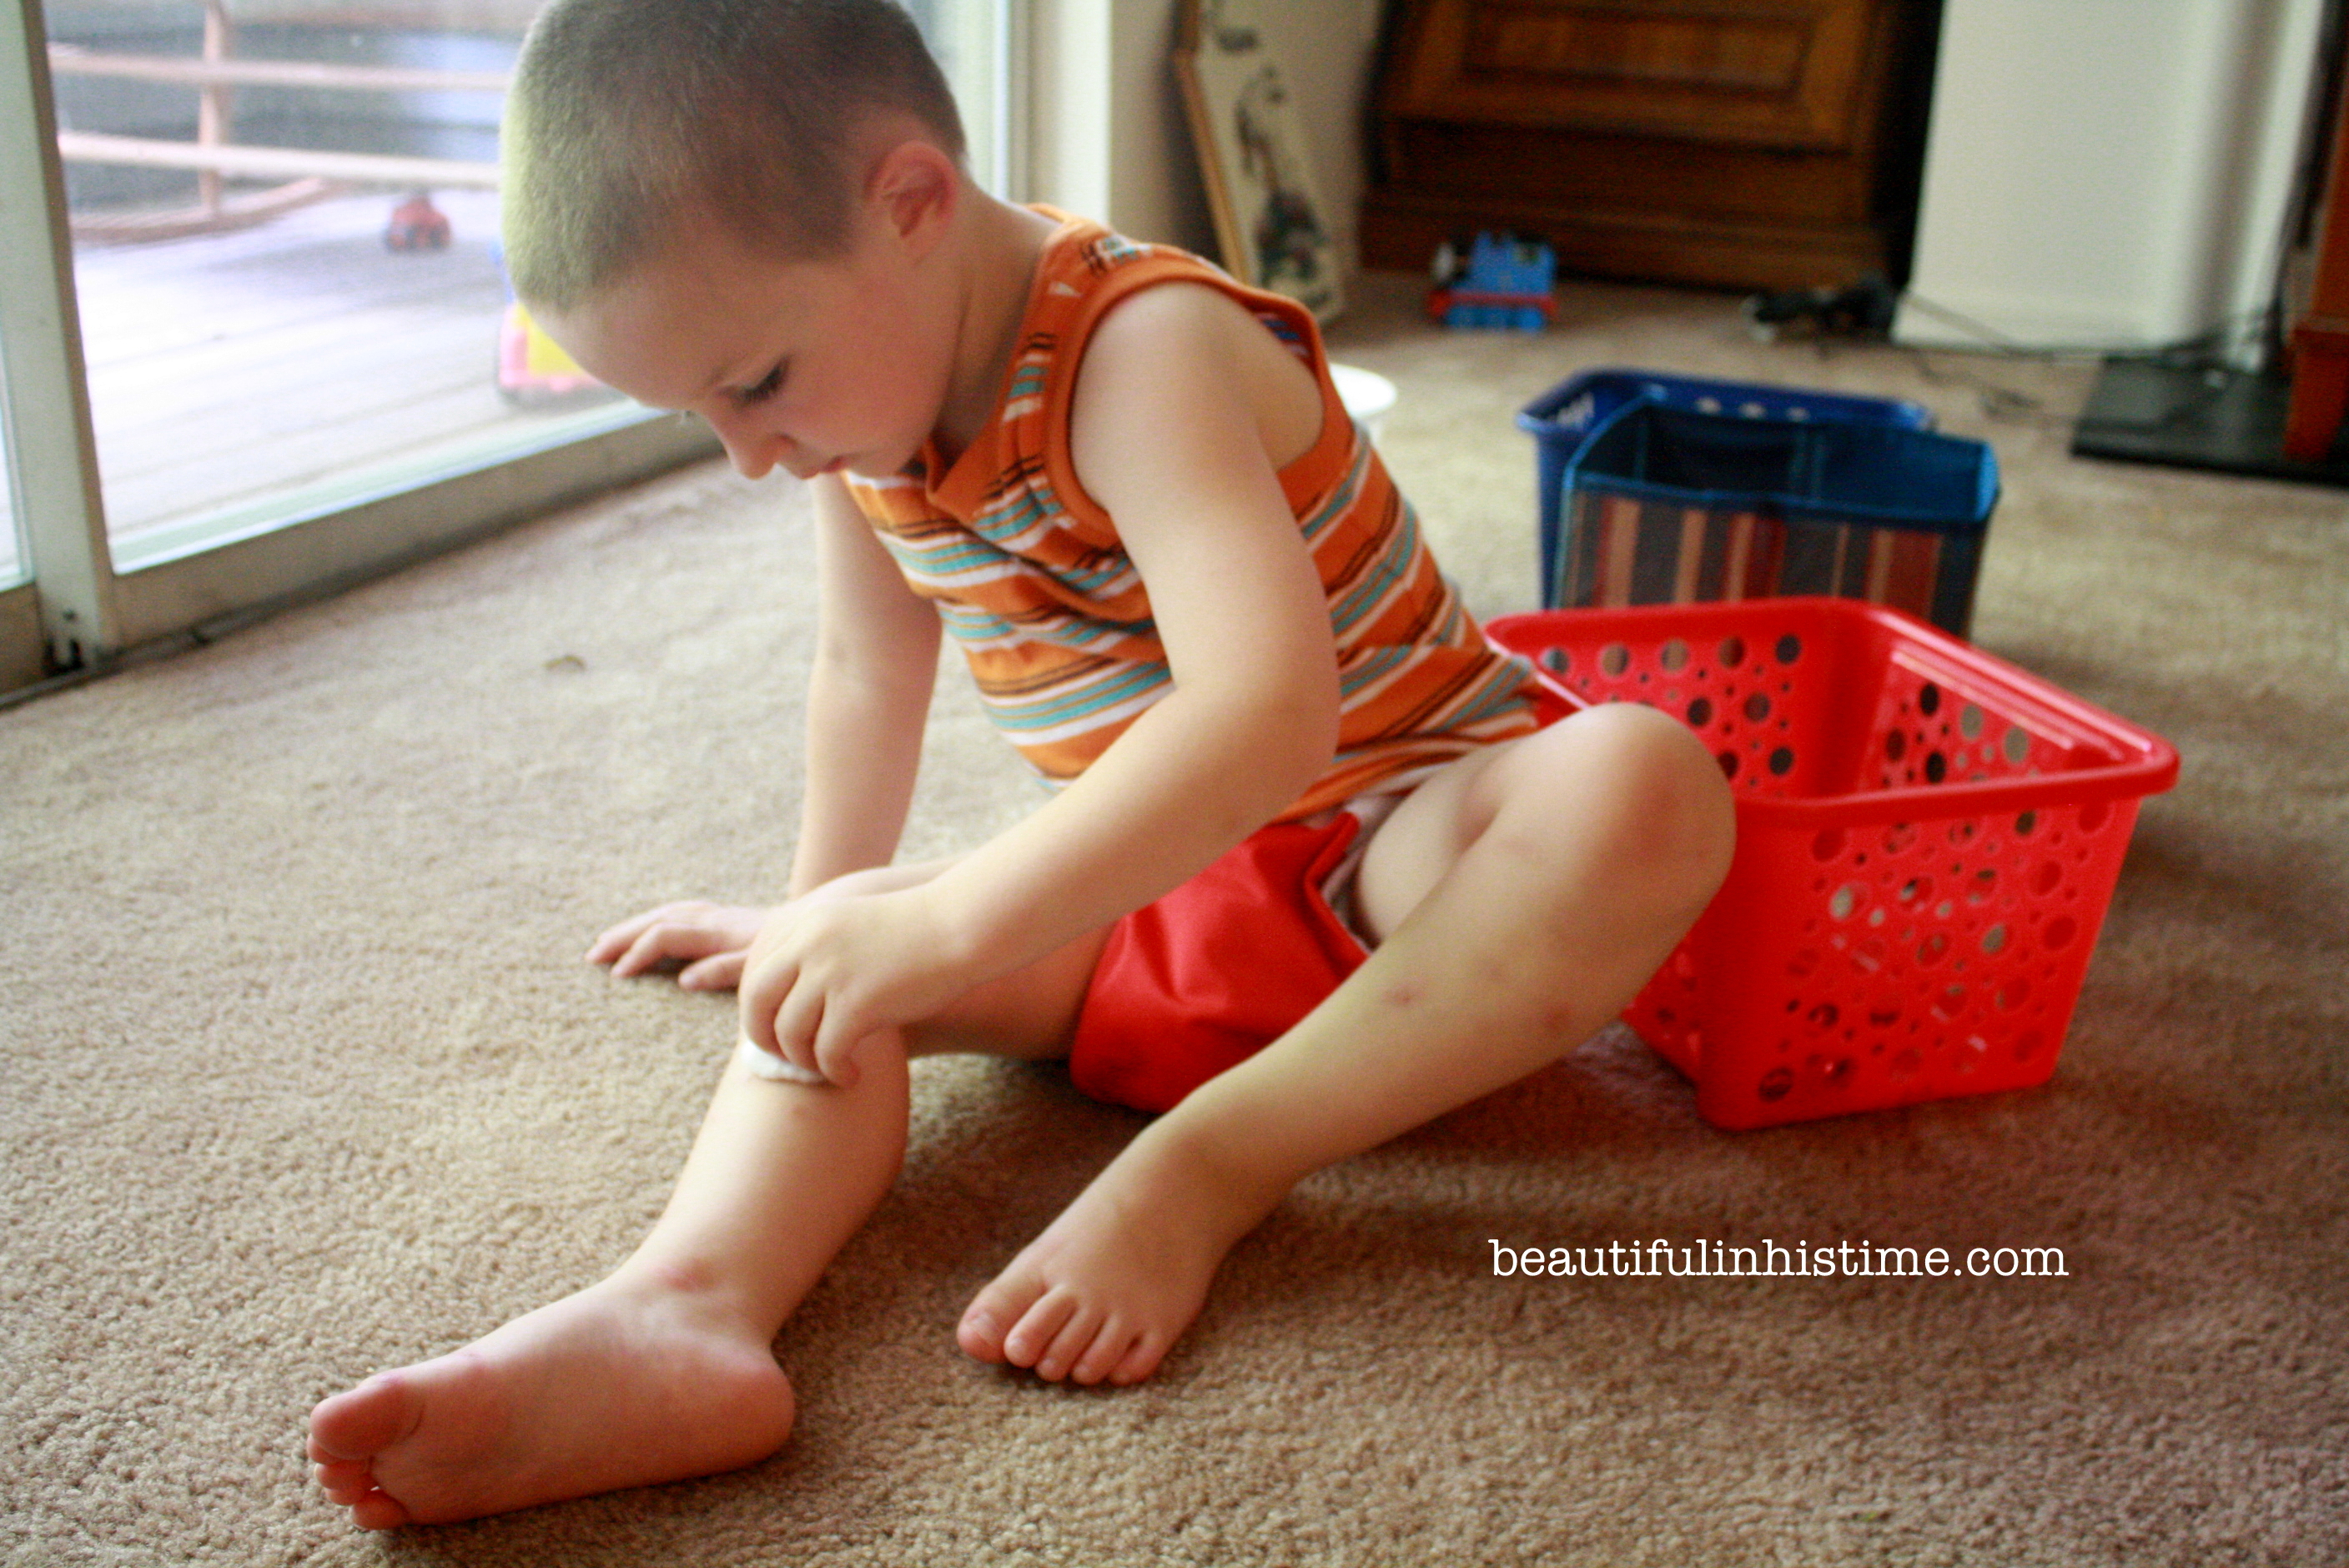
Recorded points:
(1303, 732)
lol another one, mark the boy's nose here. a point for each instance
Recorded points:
(751, 452)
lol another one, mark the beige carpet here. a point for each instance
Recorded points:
(305, 1077)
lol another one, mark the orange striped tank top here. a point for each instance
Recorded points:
(1029, 576)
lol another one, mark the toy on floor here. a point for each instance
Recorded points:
(1864, 310)
(534, 370)
(1505, 283)
(417, 225)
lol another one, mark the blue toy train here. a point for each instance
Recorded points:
(1503, 282)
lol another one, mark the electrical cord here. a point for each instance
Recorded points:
(2008, 405)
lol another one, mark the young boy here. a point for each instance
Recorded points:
(1300, 804)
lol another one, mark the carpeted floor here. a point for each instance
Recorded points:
(306, 1078)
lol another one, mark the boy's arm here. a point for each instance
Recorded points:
(868, 699)
(876, 660)
(1166, 437)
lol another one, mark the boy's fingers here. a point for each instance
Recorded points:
(795, 1021)
(632, 930)
(659, 941)
(617, 941)
(675, 939)
(835, 1054)
(722, 972)
(763, 994)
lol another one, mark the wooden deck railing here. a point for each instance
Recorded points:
(312, 174)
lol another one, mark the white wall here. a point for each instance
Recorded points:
(1110, 138)
(2108, 172)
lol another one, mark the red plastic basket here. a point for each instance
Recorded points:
(1928, 837)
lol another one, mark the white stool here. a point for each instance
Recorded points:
(1367, 395)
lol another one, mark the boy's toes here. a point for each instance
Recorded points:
(1075, 1338)
(1105, 1354)
(345, 1481)
(379, 1511)
(995, 1313)
(365, 1422)
(1139, 1361)
(1031, 1337)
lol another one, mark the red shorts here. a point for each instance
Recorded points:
(1216, 970)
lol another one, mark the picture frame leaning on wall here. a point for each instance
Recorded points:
(1271, 223)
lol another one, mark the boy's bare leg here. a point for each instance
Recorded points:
(1525, 896)
(665, 1369)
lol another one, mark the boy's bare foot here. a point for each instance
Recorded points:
(627, 1383)
(1111, 1283)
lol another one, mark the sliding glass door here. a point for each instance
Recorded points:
(280, 326)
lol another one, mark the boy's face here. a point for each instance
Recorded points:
(812, 367)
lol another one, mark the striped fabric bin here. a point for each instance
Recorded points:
(1667, 506)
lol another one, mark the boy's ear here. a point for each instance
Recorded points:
(916, 187)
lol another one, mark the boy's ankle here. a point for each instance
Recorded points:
(1209, 1160)
(696, 1287)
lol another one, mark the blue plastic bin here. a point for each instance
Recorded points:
(1563, 417)
(1663, 505)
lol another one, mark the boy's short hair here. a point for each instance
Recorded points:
(624, 116)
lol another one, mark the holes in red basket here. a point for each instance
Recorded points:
(2010, 994)
(1733, 652)
(1824, 1016)
(1985, 884)
(2091, 816)
(1969, 722)
(1971, 1053)
(2058, 932)
(1898, 837)
(1757, 708)
(1896, 745)
(1789, 648)
(1929, 699)
(1728, 761)
(2026, 824)
(1673, 654)
(2016, 746)
(2045, 877)
(1915, 889)
(1993, 940)
(1844, 900)
(1614, 658)
(1555, 661)
(1782, 761)
(1835, 1072)
(1700, 712)
(1950, 1001)
(1827, 845)
(1937, 768)
(1883, 1015)
(1935, 945)
(1776, 1084)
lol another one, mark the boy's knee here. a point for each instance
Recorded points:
(1673, 812)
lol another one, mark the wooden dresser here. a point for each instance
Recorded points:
(1743, 143)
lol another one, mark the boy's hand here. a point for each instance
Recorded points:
(711, 940)
(826, 973)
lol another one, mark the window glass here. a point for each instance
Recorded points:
(13, 567)
(271, 328)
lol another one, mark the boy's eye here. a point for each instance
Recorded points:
(764, 390)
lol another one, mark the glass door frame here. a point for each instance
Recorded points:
(64, 615)
(77, 614)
